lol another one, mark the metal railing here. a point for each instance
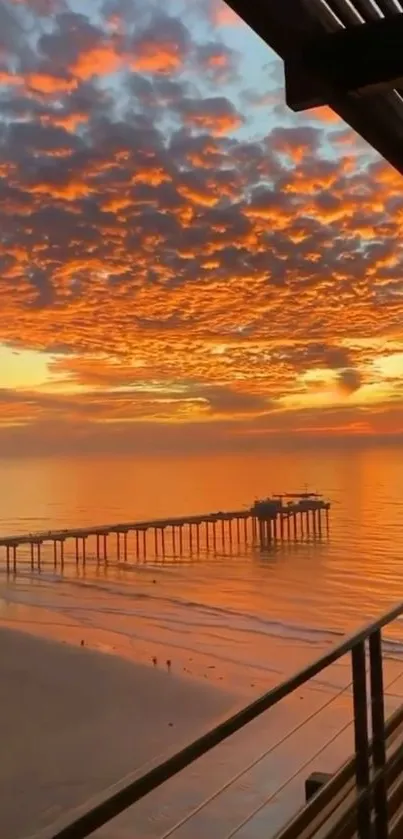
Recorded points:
(370, 766)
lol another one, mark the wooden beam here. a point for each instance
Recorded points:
(288, 26)
(365, 58)
(282, 24)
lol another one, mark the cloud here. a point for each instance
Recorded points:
(349, 380)
(164, 236)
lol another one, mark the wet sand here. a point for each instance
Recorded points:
(74, 721)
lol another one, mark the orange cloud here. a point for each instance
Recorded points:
(175, 271)
(48, 84)
(99, 61)
(325, 114)
(217, 124)
(156, 58)
(223, 15)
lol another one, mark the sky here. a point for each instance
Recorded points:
(185, 264)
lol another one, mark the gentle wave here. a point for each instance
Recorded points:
(237, 621)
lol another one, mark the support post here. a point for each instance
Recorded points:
(378, 734)
(270, 527)
(362, 772)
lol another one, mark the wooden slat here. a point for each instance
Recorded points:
(388, 7)
(344, 12)
(366, 9)
(362, 59)
(339, 794)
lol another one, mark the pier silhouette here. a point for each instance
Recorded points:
(280, 518)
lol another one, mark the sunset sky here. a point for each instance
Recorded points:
(185, 264)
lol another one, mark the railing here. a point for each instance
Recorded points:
(363, 782)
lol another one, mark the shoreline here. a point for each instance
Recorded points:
(191, 664)
(74, 721)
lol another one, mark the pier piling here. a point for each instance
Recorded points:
(266, 525)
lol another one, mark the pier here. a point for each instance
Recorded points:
(277, 519)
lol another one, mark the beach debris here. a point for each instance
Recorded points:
(170, 724)
(154, 661)
(169, 663)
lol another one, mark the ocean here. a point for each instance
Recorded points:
(241, 618)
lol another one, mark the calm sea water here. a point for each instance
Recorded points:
(243, 619)
(355, 574)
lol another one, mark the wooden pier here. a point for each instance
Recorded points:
(280, 518)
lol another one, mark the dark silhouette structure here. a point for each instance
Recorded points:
(347, 54)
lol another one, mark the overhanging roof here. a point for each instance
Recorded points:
(347, 54)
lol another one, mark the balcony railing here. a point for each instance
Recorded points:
(364, 799)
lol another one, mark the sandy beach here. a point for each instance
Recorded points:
(74, 721)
